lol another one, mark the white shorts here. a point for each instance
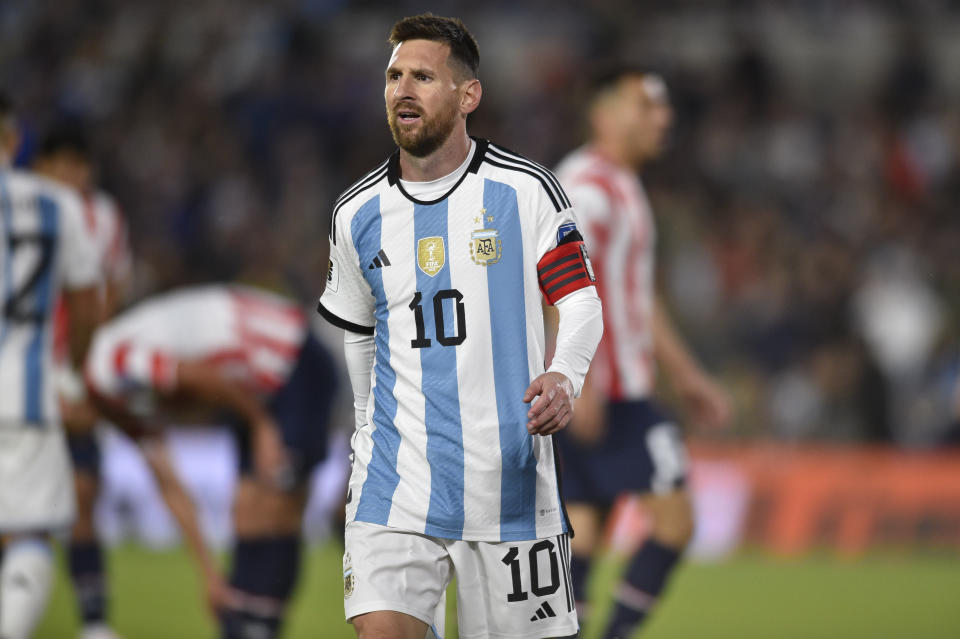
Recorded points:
(505, 590)
(36, 481)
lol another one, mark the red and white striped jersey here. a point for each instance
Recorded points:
(105, 223)
(617, 223)
(254, 336)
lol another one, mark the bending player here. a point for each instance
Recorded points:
(44, 248)
(620, 441)
(215, 351)
(65, 156)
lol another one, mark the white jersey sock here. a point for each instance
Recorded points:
(26, 577)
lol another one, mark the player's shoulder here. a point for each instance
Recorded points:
(524, 173)
(27, 186)
(356, 195)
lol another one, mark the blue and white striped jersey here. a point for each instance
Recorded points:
(44, 244)
(449, 288)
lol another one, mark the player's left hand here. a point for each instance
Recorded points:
(554, 406)
(219, 596)
(708, 402)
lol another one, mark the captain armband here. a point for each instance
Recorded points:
(565, 269)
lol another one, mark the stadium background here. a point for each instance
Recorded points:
(809, 245)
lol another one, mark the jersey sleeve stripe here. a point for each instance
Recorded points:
(342, 323)
(365, 183)
(543, 182)
(506, 154)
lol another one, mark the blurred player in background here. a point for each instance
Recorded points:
(215, 353)
(437, 262)
(45, 247)
(619, 440)
(65, 156)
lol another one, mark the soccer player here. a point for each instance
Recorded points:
(44, 248)
(65, 156)
(620, 441)
(439, 259)
(228, 352)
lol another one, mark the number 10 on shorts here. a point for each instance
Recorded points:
(543, 553)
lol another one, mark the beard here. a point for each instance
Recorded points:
(432, 133)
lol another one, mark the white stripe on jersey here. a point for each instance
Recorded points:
(618, 226)
(43, 245)
(445, 404)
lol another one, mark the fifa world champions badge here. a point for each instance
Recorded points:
(430, 255)
(348, 578)
(485, 246)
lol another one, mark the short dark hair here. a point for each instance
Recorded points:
(609, 76)
(66, 136)
(426, 26)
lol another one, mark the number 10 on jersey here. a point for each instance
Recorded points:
(439, 319)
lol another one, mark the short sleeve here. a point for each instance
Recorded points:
(592, 204)
(79, 257)
(347, 299)
(555, 216)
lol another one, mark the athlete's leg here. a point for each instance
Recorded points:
(266, 558)
(85, 556)
(388, 624)
(649, 569)
(586, 520)
(26, 576)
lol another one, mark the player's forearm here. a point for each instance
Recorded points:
(359, 351)
(579, 330)
(206, 384)
(84, 310)
(181, 506)
(669, 349)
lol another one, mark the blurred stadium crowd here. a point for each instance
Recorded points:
(807, 207)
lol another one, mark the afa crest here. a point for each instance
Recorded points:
(430, 255)
(348, 578)
(485, 246)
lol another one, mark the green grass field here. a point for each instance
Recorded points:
(156, 596)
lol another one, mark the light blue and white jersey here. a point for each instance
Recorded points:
(449, 288)
(44, 244)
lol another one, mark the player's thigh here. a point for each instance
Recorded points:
(387, 624)
(517, 589)
(672, 516)
(586, 519)
(393, 571)
(260, 510)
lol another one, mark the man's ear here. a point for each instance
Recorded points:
(470, 98)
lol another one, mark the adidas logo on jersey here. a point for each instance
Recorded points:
(379, 261)
(543, 612)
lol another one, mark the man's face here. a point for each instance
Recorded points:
(644, 115)
(422, 96)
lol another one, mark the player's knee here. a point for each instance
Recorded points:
(673, 521)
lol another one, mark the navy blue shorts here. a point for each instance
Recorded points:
(84, 453)
(642, 451)
(302, 409)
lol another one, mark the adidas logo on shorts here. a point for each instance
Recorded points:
(543, 612)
